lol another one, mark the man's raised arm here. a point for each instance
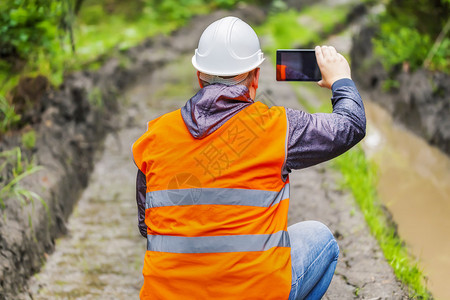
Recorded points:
(315, 138)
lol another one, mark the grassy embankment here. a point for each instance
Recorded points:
(285, 30)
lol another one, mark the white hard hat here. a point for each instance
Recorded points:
(228, 47)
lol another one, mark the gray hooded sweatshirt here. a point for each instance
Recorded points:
(312, 139)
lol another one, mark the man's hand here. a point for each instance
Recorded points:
(333, 65)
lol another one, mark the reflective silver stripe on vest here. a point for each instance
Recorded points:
(217, 244)
(218, 196)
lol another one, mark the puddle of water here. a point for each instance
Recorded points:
(414, 183)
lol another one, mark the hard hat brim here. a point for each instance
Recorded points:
(216, 73)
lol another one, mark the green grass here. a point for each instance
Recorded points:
(312, 88)
(20, 168)
(327, 16)
(300, 29)
(29, 139)
(8, 116)
(360, 177)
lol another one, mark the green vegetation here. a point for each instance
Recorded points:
(390, 84)
(404, 37)
(293, 29)
(29, 26)
(53, 38)
(8, 117)
(95, 97)
(31, 32)
(12, 161)
(29, 139)
(360, 176)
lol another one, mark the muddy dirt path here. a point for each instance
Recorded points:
(103, 253)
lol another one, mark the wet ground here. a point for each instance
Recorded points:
(103, 254)
(414, 184)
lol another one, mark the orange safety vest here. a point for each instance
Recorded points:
(216, 208)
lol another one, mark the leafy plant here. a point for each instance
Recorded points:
(34, 34)
(11, 160)
(439, 60)
(400, 44)
(32, 38)
(8, 117)
(28, 25)
(408, 31)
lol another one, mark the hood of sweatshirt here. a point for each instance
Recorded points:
(212, 106)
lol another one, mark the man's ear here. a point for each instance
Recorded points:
(256, 78)
(200, 83)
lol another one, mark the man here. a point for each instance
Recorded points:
(213, 179)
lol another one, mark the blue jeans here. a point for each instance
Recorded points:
(314, 254)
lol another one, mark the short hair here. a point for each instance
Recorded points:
(247, 81)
